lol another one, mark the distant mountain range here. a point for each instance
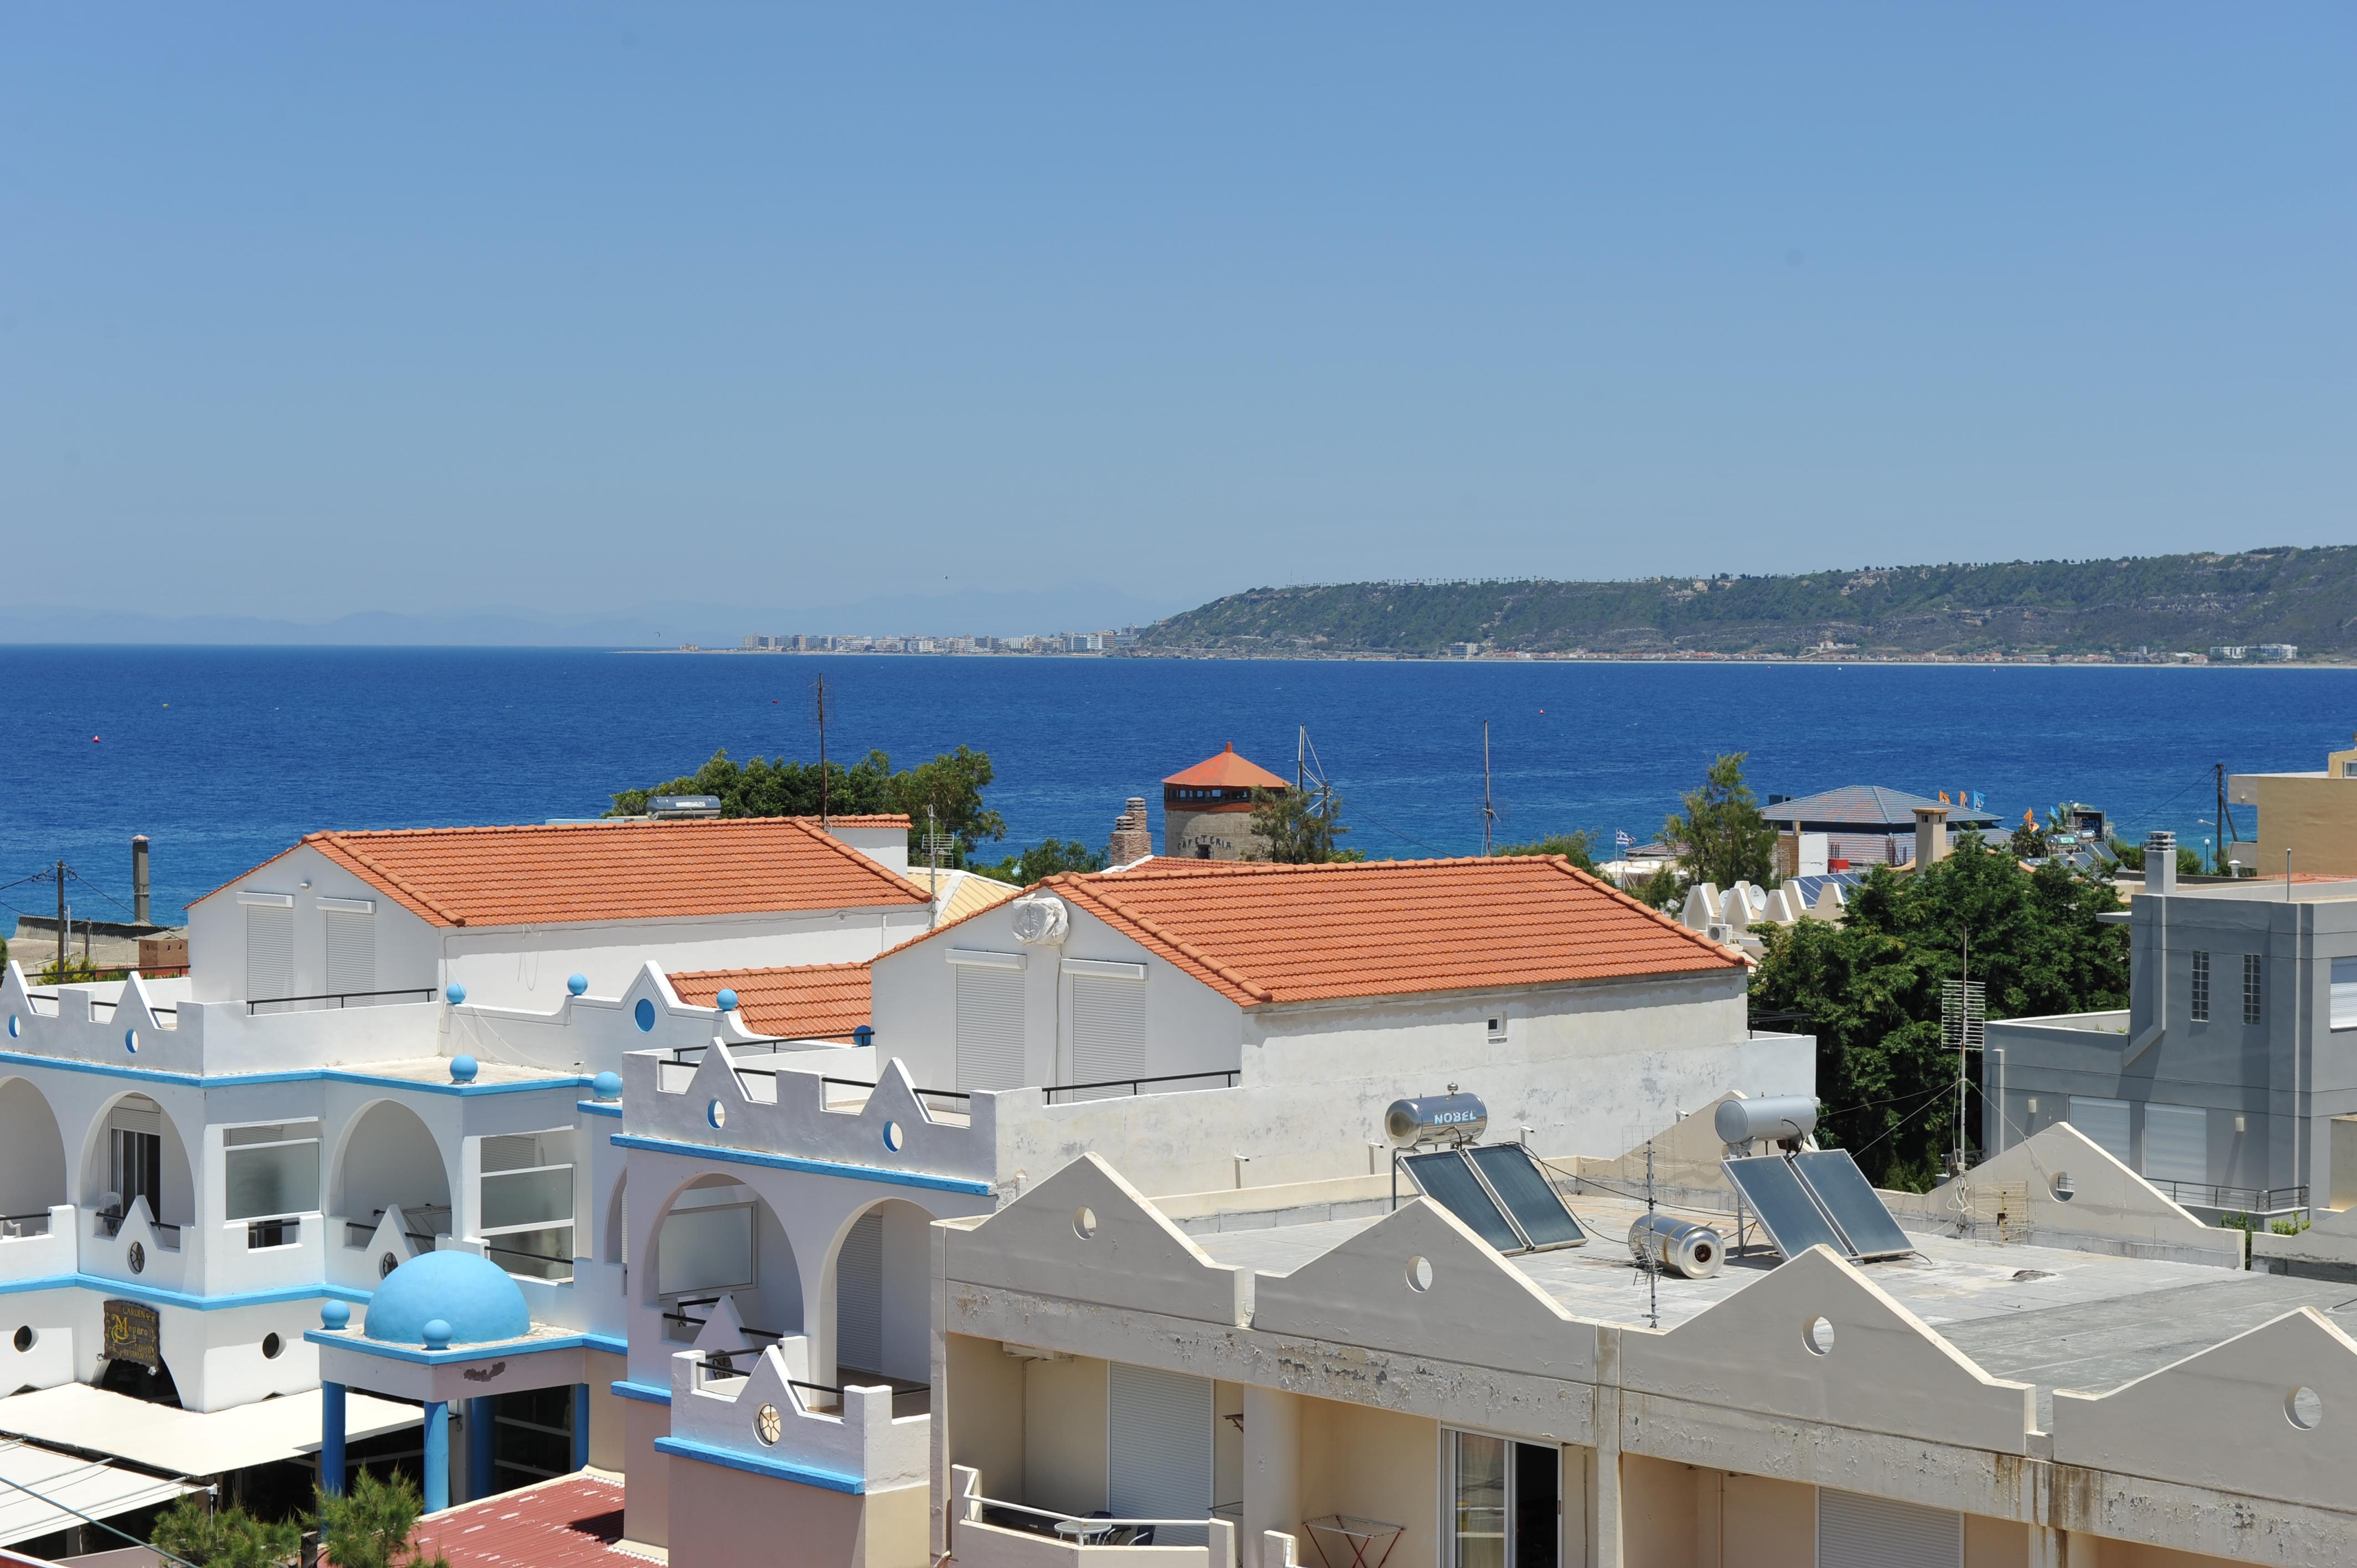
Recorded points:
(1077, 607)
(2163, 603)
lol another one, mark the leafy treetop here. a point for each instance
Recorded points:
(951, 786)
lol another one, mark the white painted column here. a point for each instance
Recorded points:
(1272, 1469)
(1604, 1537)
(2045, 1547)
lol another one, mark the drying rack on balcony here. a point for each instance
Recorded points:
(1367, 1542)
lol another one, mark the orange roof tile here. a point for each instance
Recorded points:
(1261, 933)
(799, 1002)
(879, 819)
(613, 871)
(1230, 771)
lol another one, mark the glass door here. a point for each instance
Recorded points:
(1505, 1502)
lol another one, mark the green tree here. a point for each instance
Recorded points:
(2029, 840)
(2131, 857)
(1580, 848)
(1300, 827)
(1870, 990)
(369, 1526)
(193, 1531)
(73, 970)
(1663, 888)
(1721, 837)
(951, 784)
(1045, 859)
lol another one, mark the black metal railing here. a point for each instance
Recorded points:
(279, 1231)
(24, 1224)
(922, 1393)
(109, 1224)
(1113, 1088)
(2235, 1200)
(334, 999)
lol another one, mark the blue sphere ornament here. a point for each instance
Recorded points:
(728, 1000)
(454, 992)
(463, 1069)
(863, 1035)
(578, 985)
(437, 1335)
(335, 1314)
(607, 1086)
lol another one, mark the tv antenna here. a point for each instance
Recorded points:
(1489, 807)
(818, 707)
(1964, 1024)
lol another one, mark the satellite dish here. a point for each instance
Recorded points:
(1041, 922)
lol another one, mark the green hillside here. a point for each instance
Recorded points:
(2164, 603)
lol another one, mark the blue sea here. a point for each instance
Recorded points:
(224, 756)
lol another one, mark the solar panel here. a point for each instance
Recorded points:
(1781, 1203)
(1846, 1194)
(1530, 1200)
(1448, 1181)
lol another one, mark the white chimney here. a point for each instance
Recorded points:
(2160, 862)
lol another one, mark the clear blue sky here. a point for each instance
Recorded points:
(313, 308)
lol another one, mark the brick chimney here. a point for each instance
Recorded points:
(1130, 839)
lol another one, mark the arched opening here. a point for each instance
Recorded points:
(615, 1243)
(32, 1160)
(140, 1381)
(718, 1238)
(882, 1317)
(136, 1152)
(390, 1160)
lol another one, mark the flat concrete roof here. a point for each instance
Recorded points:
(2055, 1318)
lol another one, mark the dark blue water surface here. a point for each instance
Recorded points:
(225, 756)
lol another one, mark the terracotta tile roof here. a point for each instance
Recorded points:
(569, 1522)
(883, 820)
(1231, 771)
(612, 871)
(1263, 933)
(810, 1001)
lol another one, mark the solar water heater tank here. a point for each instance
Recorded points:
(1450, 1118)
(1679, 1247)
(1785, 1118)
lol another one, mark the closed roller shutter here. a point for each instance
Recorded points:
(859, 1297)
(1108, 1030)
(2105, 1123)
(1158, 1450)
(989, 1027)
(1856, 1532)
(269, 952)
(2176, 1143)
(352, 952)
(2344, 993)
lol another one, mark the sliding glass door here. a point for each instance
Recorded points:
(1505, 1502)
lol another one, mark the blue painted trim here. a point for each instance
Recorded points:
(795, 1163)
(598, 1107)
(153, 1296)
(681, 1447)
(308, 1074)
(645, 1393)
(352, 1339)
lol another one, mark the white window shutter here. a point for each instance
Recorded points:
(1158, 1449)
(2176, 1143)
(352, 952)
(2105, 1123)
(269, 952)
(1858, 1531)
(1108, 1030)
(859, 1297)
(989, 1027)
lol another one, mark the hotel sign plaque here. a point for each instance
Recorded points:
(131, 1331)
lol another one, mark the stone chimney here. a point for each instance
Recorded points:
(1130, 839)
(1931, 836)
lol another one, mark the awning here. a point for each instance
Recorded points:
(83, 1486)
(189, 1442)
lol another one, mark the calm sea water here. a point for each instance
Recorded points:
(223, 757)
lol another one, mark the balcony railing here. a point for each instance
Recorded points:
(12, 1226)
(2257, 1201)
(277, 1230)
(1115, 1087)
(109, 1225)
(334, 999)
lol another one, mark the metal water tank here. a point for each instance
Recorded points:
(1779, 1116)
(1450, 1118)
(1679, 1247)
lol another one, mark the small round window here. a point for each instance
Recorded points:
(893, 1137)
(138, 1258)
(131, 1041)
(271, 1345)
(386, 1262)
(25, 1338)
(16, 1026)
(716, 1114)
(645, 1014)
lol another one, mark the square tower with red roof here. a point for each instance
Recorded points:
(1207, 808)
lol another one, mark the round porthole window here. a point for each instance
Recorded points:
(1818, 1336)
(131, 1041)
(768, 1424)
(1419, 1273)
(2303, 1409)
(2061, 1186)
(893, 1137)
(716, 1114)
(386, 1264)
(25, 1338)
(137, 1258)
(645, 1014)
(16, 1026)
(1084, 1223)
(271, 1345)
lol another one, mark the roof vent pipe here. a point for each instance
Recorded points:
(2160, 862)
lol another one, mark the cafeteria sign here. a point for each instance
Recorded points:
(131, 1332)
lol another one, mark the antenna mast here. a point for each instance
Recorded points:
(1488, 811)
(1653, 1271)
(818, 702)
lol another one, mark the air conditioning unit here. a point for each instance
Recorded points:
(1041, 922)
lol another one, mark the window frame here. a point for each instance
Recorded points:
(1509, 1549)
(2200, 984)
(2254, 990)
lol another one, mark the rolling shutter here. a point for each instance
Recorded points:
(989, 1027)
(1855, 1531)
(1108, 1029)
(859, 1297)
(269, 951)
(2344, 994)
(1158, 1449)
(352, 952)
(2176, 1143)
(2105, 1123)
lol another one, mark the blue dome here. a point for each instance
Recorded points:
(472, 1294)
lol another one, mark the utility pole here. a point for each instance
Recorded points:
(2226, 825)
(61, 919)
(819, 687)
